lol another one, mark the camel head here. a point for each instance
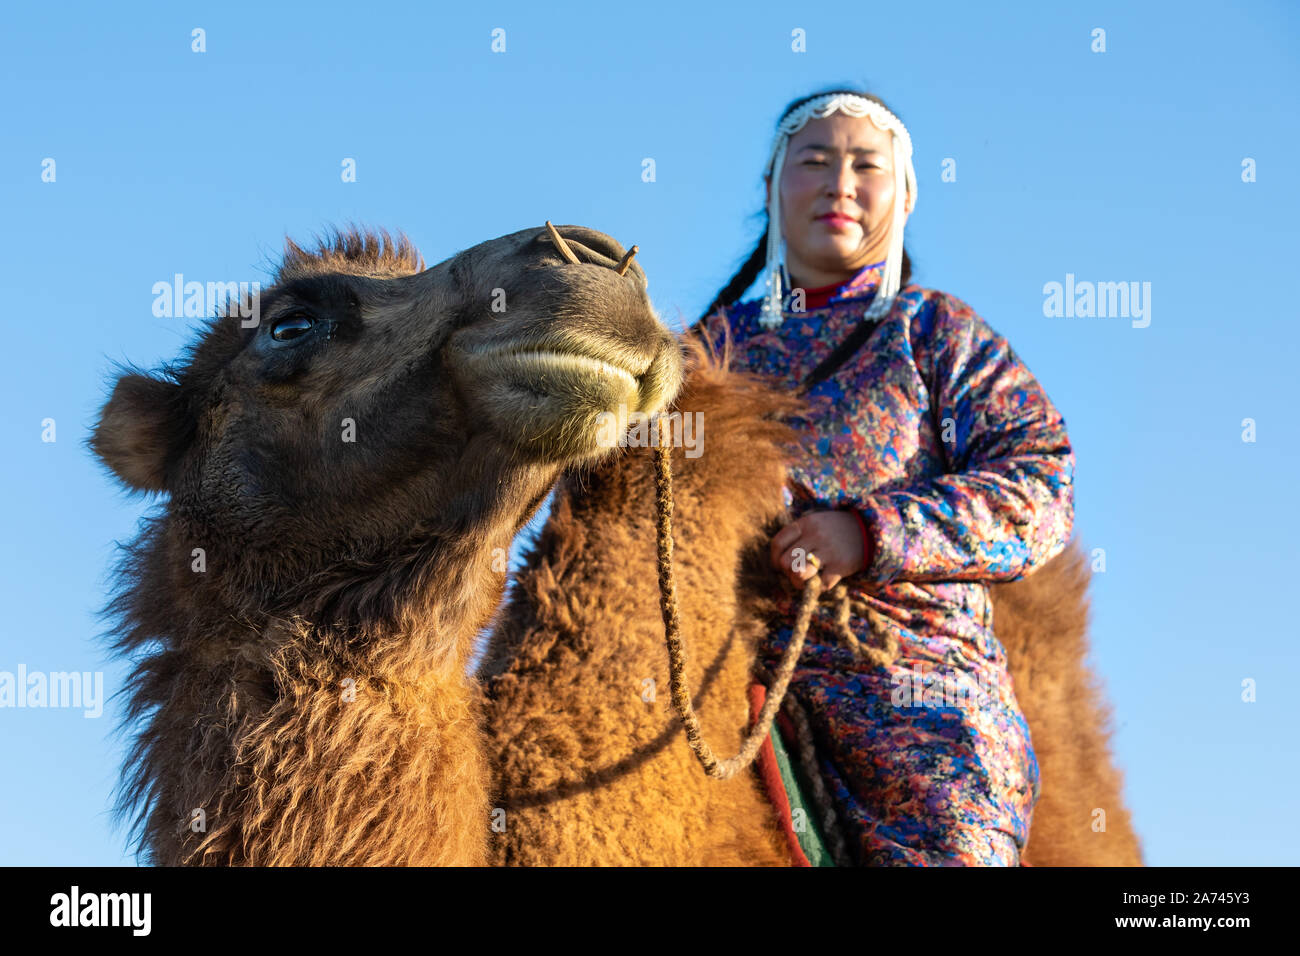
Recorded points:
(372, 401)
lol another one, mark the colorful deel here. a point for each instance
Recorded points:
(950, 449)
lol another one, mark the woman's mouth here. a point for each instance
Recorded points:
(837, 221)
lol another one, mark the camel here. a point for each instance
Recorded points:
(342, 480)
(591, 763)
(301, 632)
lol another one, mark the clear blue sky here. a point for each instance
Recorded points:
(1117, 166)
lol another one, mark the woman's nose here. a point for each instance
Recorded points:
(844, 182)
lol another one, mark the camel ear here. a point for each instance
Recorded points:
(142, 431)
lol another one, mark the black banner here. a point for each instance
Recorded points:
(130, 906)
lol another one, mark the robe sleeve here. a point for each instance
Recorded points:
(1006, 504)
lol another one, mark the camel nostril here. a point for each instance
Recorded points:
(596, 242)
(594, 247)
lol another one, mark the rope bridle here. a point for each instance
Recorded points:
(812, 591)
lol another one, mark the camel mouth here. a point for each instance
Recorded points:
(592, 374)
(539, 364)
(556, 399)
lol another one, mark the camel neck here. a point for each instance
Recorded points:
(323, 718)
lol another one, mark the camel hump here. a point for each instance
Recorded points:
(1047, 606)
(1042, 622)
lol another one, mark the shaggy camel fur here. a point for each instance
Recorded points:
(592, 766)
(343, 479)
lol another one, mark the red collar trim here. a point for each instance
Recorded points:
(867, 278)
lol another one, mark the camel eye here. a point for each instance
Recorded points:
(291, 328)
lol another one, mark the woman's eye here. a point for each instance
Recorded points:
(291, 327)
(818, 162)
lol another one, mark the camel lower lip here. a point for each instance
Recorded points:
(569, 362)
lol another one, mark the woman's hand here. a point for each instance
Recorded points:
(833, 536)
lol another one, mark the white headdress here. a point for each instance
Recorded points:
(818, 108)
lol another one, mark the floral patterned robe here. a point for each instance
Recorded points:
(939, 436)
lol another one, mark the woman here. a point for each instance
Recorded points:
(936, 464)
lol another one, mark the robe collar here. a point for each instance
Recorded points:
(865, 281)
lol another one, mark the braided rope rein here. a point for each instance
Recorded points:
(681, 697)
(719, 769)
(806, 750)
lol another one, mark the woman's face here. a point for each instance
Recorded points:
(836, 165)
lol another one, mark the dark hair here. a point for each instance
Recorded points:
(748, 272)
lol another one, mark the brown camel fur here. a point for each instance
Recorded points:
(592, 768)
(343, 479)
(1042, 621)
